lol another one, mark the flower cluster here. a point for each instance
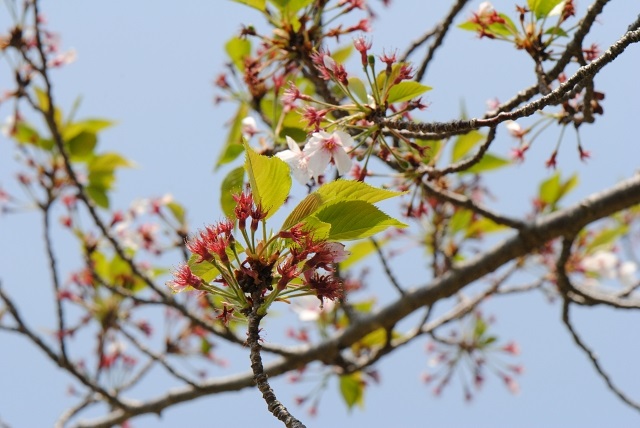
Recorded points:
(285, 265)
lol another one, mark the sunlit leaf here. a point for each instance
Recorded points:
(357, 87)
(352, 389)
(310, 204)
(87, 125)
(542, 8)
(238, 49)
(488, 162)
(355, 190)
(205, 270)
(81, 146)
(256, 4)
(605, 238)
(270, 180)
(405, 91)
(351, 220)
(464, 143)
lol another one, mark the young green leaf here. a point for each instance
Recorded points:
(464, 143)
(357, 87)
(351, 220)
(238, 49)
(352, 389)
(81, 146)
(405, 91)
(487, 163)
(542, 8)
(233, 146)
(205, 270)
(270, 180)
(354, 190)
(178, 211)
(256, 4)
(304, 209)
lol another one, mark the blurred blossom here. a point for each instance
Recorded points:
(307, 308)
(249, 127)
(602, 263)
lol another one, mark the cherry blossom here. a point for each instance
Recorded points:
(322, 147)
(297, 160)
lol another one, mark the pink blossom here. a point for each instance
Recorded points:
(184, 278)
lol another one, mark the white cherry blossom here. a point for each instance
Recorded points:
(297, 161)
(322, 147)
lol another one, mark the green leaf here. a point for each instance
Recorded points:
(482, 226)
(342, 54)
(460, 220)
(319, 229)
(108, 162)
(354, 190)
(351, 220)
(43, 100)
(98, 194)
(292, 6)
(405, 91)
(542, 8)
(352, 389)
(464, 143)
(238, 49)
(549, 189)
(87, 125)
(205, 270)
(357, 87)
(556, 31)
(270, 180)
(231, 185)
(82, 145)
(568, 185)
(26, 134)
(553, 189)
(605, 238)
(233, 146)
(177, 210)
(310, 204)
(261, 5)
(488, 162)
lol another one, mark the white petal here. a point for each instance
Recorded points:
(343, 161)
(293, 146)
(318, 162)
(345, 138)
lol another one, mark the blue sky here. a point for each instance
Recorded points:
(150, 66)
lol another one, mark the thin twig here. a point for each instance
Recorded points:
(465, 202)
(594, 359)
(386, 267)
(440, 32)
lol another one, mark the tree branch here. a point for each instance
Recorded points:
(560, 223)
